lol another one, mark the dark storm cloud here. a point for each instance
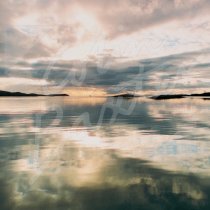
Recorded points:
(169, 72)
(3, 72)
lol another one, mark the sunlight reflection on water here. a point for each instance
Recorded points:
(58, 153)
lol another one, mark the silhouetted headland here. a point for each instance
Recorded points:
(178, 96)
(124, 95)
(19, 94)
(165, 97)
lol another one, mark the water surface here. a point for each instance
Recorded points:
(103, 153)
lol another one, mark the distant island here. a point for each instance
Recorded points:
(178, 96)
(19, 94)
(164, 97)
(124, 95)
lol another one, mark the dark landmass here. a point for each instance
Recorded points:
(165, 97)
(177, 96)
(202, 94)
(124, 95)
(19, 94)
(52, 95)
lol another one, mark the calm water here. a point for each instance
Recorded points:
(104, 154)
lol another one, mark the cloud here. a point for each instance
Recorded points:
(39, 29)
(17, 45)
(3, 72)
(125, 17)
(167, 73)
(57, 24)
(23, 84)
(13, 43)
(44, 33)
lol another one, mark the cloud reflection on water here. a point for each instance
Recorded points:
(149, 159)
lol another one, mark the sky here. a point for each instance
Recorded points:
(100, 47)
